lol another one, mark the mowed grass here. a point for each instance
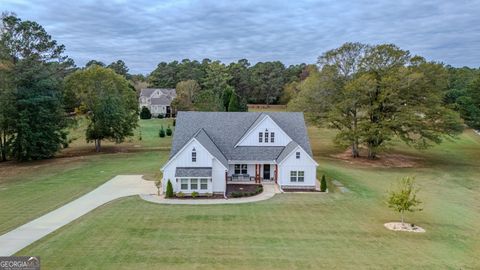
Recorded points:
(29, 190)
(293, 231)
(145, 136)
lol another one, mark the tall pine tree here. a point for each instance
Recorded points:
(38, 67)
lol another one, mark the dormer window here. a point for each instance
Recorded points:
(272, 137)
(260, 137)
(194, 155)
(297, 155)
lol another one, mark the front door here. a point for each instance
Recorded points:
(266, 171)
(168, 112)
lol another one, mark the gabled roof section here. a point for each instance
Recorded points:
(257, 121)
(260, 119)
(287, 150)
(162, 100)
(225, 129)
(205, 140)
(147, 92)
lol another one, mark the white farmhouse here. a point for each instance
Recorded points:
(213, 149)
(158, 101)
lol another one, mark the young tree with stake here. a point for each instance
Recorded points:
(404, 199)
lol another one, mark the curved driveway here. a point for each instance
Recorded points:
(117, 187)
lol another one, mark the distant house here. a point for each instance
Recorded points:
(157, 100)
(212, 149)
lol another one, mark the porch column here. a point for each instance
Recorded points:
(257, 173)
(276, 173)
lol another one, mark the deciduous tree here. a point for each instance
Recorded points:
(373, 94)
(186, 93)
(112, 106)
(404, 198)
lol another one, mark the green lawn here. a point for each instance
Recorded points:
(292, 231)
(29, 190)
(145, 136)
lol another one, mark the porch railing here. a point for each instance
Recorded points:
(240, 178)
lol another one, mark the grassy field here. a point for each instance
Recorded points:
(290, 231)
(29, 190)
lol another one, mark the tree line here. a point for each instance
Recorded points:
(371, 93)
(212, 85)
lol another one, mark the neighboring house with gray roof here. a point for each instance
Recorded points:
(213, 149)
(157, 100)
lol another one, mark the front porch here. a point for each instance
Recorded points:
(252, 173)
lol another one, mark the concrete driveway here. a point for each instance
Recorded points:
(117, 187)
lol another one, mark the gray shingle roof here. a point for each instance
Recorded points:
(288, 148)
(225, 129)
(147, 92)
(207, 142)
(162, 100)
(193, 172)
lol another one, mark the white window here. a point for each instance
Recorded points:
(266, 136)
(260, 137)
(203, 183)
(297, 176)
(297, 155)
(301, 176)
(184, 184)
(272, 137)
(240, 168)
(193, 184)
(293, 176)
(194, 155)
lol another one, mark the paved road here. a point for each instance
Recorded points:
(119, 186)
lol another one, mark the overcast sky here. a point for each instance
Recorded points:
(144, 33)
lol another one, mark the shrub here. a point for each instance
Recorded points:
(169, 192)
(239, 194)
(194, 194)
(323, 184)
(161, 133)
(158, 184)
(174, 122)
(180, 194)
(145, 113)
(160, 116)
(236, 194)
(169, 131)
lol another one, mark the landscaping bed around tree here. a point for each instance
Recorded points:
(403, 227)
